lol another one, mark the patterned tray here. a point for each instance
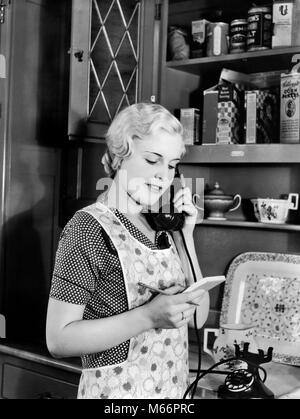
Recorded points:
(263, 289)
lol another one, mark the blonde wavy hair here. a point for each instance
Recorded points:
(135, 121)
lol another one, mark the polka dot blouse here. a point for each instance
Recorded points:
(88, 272)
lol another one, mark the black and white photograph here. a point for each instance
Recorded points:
(149, 202)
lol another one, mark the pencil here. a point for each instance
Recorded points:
(153, 289)
(159, 291)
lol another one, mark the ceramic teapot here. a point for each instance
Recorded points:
(216, 203)
(227, 336)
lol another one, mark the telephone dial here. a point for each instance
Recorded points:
(246, 383)
(238, 381)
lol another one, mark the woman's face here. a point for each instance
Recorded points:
(151, 168)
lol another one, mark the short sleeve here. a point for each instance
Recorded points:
(75, 272)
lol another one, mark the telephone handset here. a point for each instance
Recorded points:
(167, 219)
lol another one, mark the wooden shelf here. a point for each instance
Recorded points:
(247, 62)
(249, 224)
(244, 153)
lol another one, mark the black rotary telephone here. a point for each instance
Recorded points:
(167, 218)
(246, 383)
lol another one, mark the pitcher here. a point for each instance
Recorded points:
(227, 336)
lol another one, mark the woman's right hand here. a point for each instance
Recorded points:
(174, 310)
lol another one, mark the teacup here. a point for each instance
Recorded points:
(274, 211)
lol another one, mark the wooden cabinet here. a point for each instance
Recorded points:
(31, 374)
(266, 170)
(114, 56)
(114, 53)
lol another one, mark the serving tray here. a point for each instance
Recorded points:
(263, 289)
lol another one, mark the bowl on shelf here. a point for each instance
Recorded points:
(274, 211)
(217, 203)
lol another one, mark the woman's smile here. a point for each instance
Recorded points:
(154, 188)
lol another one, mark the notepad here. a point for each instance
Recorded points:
(206, 283)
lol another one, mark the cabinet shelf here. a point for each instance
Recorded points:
(247, 62)
(250, 224)
(244, 153)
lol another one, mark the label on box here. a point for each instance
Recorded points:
(199, 32)
(290, 108)
(283, 12)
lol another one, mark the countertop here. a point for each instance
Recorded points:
(283, 380)
(39, 353)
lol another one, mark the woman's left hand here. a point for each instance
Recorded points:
(183, 202)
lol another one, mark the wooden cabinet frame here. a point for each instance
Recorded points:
(79, 125)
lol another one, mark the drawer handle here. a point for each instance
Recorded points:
(48, 396)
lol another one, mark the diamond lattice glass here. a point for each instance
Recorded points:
(114, 57)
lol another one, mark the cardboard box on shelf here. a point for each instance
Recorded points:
(222, 116)
(190, 120)
(286, 21)
(199, 37)
(229, 125)
(210, 115)
(261, 116)
(290, 108)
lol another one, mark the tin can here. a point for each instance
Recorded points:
(217, 38)
(238, 35)
(259, 28)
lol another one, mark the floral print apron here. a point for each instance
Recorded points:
(157, 363)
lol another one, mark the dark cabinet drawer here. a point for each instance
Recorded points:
(21, 383)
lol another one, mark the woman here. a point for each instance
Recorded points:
(133, 344)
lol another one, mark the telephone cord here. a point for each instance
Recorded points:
(199, 342)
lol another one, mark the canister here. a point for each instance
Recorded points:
(217, 38)
(259, 29)
(238, 35)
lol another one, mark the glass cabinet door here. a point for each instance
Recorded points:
(107, 53)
